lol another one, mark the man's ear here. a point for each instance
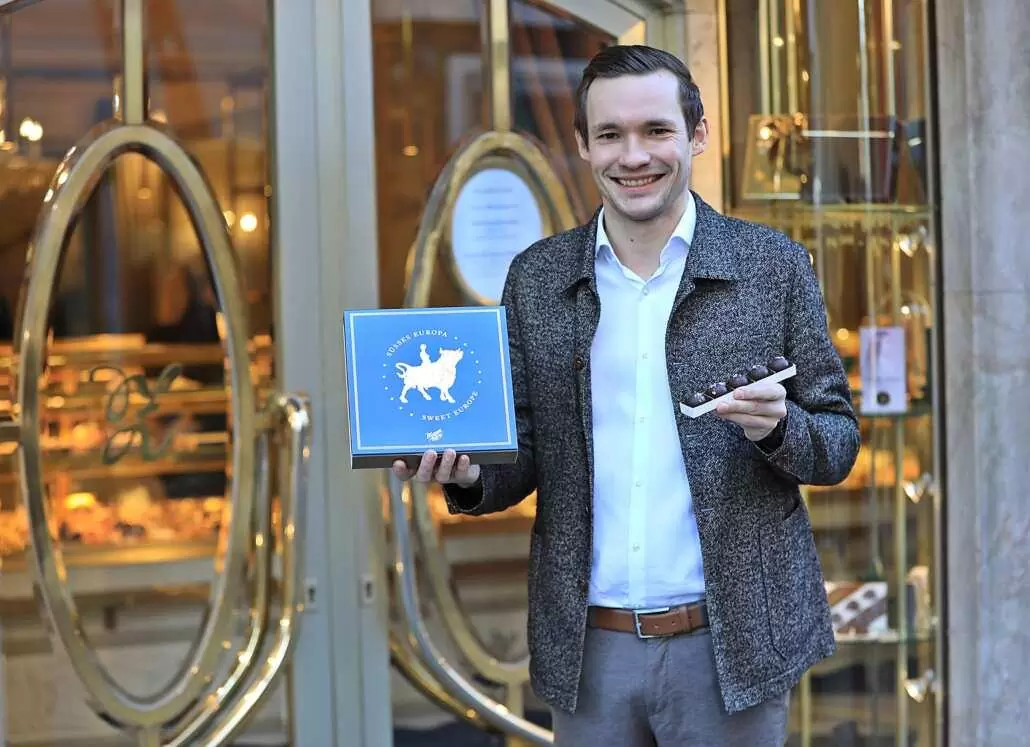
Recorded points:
(699, 142)
(584, 152)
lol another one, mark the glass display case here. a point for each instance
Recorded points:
(827, 140)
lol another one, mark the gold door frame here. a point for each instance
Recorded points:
(199, 707)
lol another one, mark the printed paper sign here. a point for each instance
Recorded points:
(882, 368)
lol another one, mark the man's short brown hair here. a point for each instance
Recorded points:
(619, 60)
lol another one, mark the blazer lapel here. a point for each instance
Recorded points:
(713, 252)
(582, 287)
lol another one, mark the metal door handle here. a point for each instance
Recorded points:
(450, 678)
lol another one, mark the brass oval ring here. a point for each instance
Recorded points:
(546, 185)
(72, 185)
(512, 673)
(526, 159)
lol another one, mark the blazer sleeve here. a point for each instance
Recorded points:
(819, 439)
(501, 486)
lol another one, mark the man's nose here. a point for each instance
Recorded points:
(634, 154)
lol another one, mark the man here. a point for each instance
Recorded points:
(675, 591)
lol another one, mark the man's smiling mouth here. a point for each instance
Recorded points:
(637, 181)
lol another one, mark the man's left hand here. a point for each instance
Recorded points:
(757, 408)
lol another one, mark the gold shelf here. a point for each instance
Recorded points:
(133, 350)
(98, 569)
(203, 457)
(885, 638)
(831, 210)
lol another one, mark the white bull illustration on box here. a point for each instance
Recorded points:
(429, 374)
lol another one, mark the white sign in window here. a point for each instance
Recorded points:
(496, 216)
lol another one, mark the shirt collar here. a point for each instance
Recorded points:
(681, 239)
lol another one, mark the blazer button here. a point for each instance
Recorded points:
(578, 362)
(584, 586)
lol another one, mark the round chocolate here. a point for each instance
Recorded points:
(696, 399)
(757, 372)
(736, 381)
(716, 390)
(779, 363)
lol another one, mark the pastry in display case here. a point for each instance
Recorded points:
(137, 473)
(136, 454)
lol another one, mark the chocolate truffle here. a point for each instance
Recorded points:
(736, 381)
(716, 390)
(696, 399)
(757, 372)
(779, 363)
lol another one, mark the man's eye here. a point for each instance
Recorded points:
(607, 136)
(660, 131)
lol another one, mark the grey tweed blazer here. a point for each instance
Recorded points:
(747, 293)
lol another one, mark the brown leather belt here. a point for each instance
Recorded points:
(651, 623)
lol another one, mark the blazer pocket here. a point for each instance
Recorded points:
(787, 576)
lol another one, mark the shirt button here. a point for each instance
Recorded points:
(636, 548)
(644, 356)
(646, 291)
(639, 484)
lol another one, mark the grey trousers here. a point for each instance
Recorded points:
(660, 691)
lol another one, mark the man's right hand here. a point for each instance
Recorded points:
(445, 469)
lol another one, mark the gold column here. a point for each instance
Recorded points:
(889, 53)
(900, 528)
(498, 65)
(764, 45)
(864, 102)
(134, 78)
(776, 44)
(725, 139)
(790, 25)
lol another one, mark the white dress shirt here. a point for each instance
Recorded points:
(646, 550)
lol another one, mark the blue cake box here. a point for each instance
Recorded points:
(429, 378)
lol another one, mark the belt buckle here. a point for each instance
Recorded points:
(651, 611)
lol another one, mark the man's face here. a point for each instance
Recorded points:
(637, 144)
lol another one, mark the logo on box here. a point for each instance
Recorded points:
(434, 377)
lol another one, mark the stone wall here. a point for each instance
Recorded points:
(983, 51)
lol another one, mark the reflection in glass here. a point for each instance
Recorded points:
(549, 51)
(834, 94)
(429, 96)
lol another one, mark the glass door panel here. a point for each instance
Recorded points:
(549, 51)
(437, 88)
(157, 347)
